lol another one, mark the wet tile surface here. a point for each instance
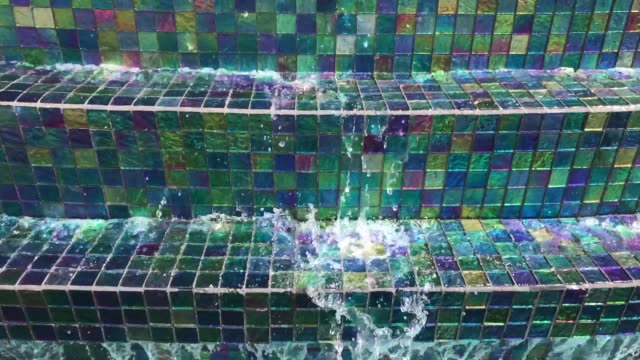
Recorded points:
(244, 281)
(324, 35)
(220, 255)
(209, 90)
(93, 156)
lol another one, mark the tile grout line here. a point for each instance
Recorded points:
(479, 112)
(431, 289)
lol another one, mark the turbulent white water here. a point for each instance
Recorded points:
(303, 82)
(365, 240)
(622, 347)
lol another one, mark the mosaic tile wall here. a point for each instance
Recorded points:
(542, 145)
(187, 317)
(324, 35)
(111, 164)
(170, 281)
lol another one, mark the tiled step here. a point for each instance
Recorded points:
(207, 90)
(232, 280)
(83, 142)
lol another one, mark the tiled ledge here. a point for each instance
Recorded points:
(235, 281)
(87, 142)
(474, 92)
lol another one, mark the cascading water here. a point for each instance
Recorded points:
(323, 248)
(367, 241)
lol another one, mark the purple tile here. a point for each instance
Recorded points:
(512, 224)
(373, 144)
(604, 261)
(69, 261)
(634, 271)
(227, 43)
(401, 251)
(633, 244)
(28, 37)
(484, 24)
(33, 277)
(148, 249)
(327, 63)
(398, 124)
(501, 161)
(191, 102)
(593, 275)
(122, 100)
(85, 19)
(446, 263)
(521, 236)
(432, 197)
(304, 238)
(284, 162)
(306, 23)
(616, 274)
(522, 277)
(483, 142)
(286, 199)
(404, 44)
(144, 120)
(578, 177)
(165, 22)
(52, 118)
(574, 296)
(215, 251)
(267, 44)
(387, 7)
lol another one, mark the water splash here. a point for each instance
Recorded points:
(163, 203)
(367, 241)
(621, 347)
(635, 225)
